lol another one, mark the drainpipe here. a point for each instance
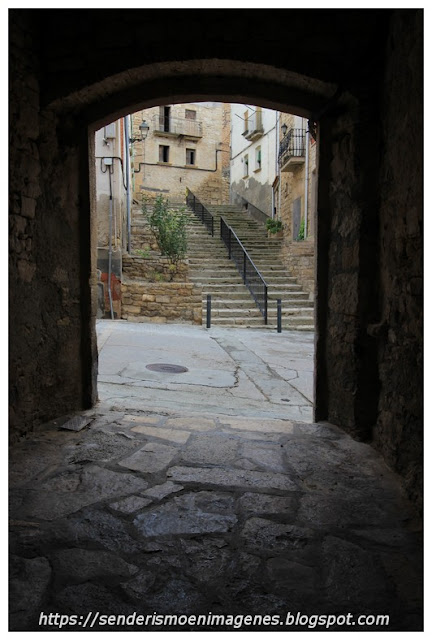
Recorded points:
(127, 171)
(275, 197)
(279, 193)
(110, 245)
(306, 182)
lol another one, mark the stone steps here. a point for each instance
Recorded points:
(235, 312)
(222, 301)
(226, 308)
(293, 298)
(234, 279)
(232, 303)
(210, 267)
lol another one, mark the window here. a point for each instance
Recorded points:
(190, 156)
(165, 119)
(190, 114)
(163, 153)
(245, 166)
(258, 159)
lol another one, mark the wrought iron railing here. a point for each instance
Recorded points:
(292, 145)
(200, 211)
(179, 126)
(245, 266)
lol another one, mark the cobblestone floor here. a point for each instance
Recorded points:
(172, 511)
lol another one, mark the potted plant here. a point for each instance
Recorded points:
(274, 227)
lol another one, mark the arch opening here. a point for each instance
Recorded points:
(270, 193)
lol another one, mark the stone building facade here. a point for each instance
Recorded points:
(274, 171)
(253, 156)
(296, 196)
(186, 147)
(111, 212)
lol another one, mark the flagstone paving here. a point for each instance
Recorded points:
(285, 517)
(173, 512)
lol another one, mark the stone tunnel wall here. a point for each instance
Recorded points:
(398, 432)
(369, 264)
(368, 237)
(47, 262)
(24, 190)
(347, 191)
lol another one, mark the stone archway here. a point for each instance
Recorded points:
(368, 373)
(290, 92)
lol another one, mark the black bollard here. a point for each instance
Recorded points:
(208, 311)
(279, 315)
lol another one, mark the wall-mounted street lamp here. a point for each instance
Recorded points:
(312, 126)
(284, 129)
(144, 129)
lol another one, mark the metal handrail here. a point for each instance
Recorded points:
(200, 211)
(252, 278)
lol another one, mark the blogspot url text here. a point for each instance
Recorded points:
(135, 619)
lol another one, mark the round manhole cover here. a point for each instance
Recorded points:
(167, 368)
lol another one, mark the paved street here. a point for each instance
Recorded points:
(236, 372)
(207, 491)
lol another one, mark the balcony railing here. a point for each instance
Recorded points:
(292, 148)
(177, 126)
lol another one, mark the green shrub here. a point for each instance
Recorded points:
(156, 276)
(301, 233)
(274, 225)
(169, 228)
(142, 253)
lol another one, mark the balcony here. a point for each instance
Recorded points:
(253, 126)
(176, 127)
(292, 150)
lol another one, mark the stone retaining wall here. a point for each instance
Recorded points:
(299, 258)
(161, 302)
(142, 239)
(153, 268)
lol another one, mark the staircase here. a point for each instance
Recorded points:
(210, 267)
(232, 303)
